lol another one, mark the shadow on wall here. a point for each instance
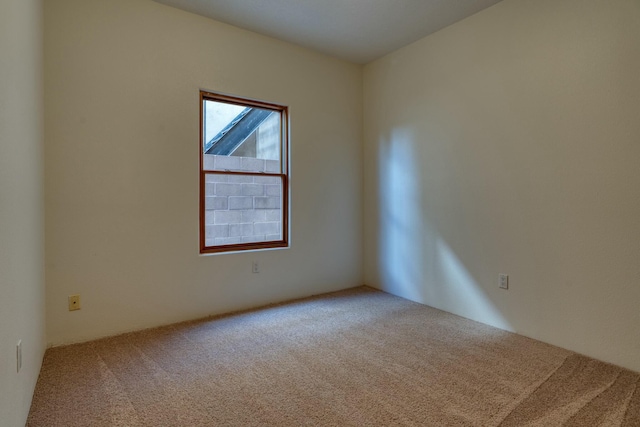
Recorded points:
(415, 262)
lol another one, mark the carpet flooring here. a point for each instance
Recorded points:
(353, 358)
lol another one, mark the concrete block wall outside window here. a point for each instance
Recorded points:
(241, 208)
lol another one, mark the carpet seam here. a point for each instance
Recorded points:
(536, 389)
(635, 390)
(113, 374)
(597, 395)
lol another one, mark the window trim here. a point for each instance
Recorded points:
(284, 174)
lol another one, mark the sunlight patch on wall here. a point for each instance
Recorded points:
(401, 242)
(414, 259)
(462, 293)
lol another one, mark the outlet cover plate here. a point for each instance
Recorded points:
(74, 302)
(503, 281)
(19, 355)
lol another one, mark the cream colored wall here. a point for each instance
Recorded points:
(22, 292)
(121, 95)
(508, 143)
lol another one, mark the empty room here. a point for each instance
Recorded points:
(330, 213)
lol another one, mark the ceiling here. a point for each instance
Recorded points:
(355, 30)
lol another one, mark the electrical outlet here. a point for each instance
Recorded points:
(19, 355)
(74, 302)
(254, 267)
(503, 281)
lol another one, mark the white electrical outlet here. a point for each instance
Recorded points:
(19, 355)
(503, 281)
(254, 267)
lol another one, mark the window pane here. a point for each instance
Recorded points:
(242, 209)
(241, 138)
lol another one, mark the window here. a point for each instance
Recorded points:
(243, 174)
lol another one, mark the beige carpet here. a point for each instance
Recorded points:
(352, 358)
